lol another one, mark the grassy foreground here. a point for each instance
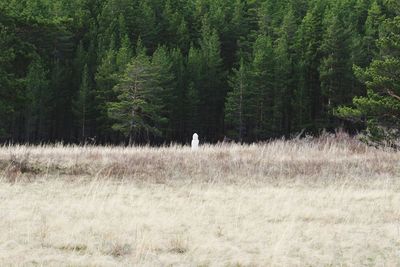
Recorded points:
(331, 201)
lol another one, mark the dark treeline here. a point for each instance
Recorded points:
(115, 71)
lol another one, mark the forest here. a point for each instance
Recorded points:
(156, 71)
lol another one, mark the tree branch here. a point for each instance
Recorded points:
(392, 94)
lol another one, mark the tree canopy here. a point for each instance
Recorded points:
(117, 71)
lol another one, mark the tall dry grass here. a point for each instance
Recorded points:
(325, 160)
(319, 202)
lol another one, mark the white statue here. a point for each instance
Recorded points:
(195, 141)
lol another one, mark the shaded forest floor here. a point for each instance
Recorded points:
(327, 201)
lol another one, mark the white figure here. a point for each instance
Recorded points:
(195, 141)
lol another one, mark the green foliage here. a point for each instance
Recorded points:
(106, 78)
(83, 105)
(263, 90)
(380, 108)
(39, 101)
(7, 55)
(66, 68)
(335, 68)
(210, 84)
(235, 107)
(138, 109)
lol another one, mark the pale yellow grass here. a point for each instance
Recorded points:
(320, 202)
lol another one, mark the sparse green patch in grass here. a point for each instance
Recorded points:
(80, 248)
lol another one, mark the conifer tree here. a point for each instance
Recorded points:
(147, 26)
(335, 68)
(162, 66)
(236, 102)
(192, 95)
(372, 24)
(7, 55)
(380, 109)
(39, 97)
(106, 78)
(213, 90)
(285, 80)
(124, 54)
(83, 104)
(263, 89)
(179, 108)
(298, 58)
(138, 108)
(307, 95)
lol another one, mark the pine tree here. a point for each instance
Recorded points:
(162, 66)
(39, 97)
(298, 53)
(335, 70)
(7, 55)
(212, 88)
(175, 31)
(282, 89)
(106, 78)
(113, 65)
(178, 108)
(137, 111)
(146, 24)
(262, 91)
(80, 61)
(307, 96)
(58, 109)
(236, 100)
(124, 54)
(372, 24)
(285, 80)
(192, 104)
(380, 109)
(83, 104)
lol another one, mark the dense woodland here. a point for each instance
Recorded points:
(114, 71)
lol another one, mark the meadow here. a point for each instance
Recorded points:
(331, 201)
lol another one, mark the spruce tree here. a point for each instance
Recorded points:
(113, 64)
(298, 53)
(179, 108)
(236, 102)
(7, 84)
(82, 105)
(307, 95)
(262, 93)
(285, 79)
(372, 25)
(335, 69)
(194, 69)
(162, 66)
(212, 87)
(124, 54)
(39, 98)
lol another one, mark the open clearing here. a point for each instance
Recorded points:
(286, 203)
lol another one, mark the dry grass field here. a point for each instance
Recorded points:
(322, 202)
